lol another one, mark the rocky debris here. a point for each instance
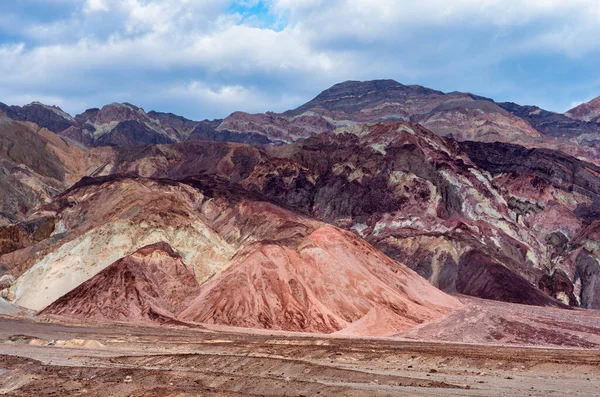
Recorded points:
(20, 235)
(6, 281)
(35, 341)
(19, 339)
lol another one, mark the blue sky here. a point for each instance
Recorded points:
(207, 58)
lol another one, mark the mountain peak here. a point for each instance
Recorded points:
(352, 96)
(589, 111)
(55, 109)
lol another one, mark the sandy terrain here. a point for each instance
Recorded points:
(135, 361)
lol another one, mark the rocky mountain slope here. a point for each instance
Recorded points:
(124, 124)
(115, 262)
(35, 165)
(461, 116)
(558, 196)
(408, 192)
(356, 213)
(589, 111)
(52, 118)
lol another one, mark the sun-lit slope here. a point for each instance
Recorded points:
(322, 282)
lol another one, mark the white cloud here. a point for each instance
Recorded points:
(95, 6)
(201, 50)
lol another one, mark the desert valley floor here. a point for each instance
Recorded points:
(513, 353)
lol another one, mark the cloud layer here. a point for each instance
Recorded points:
(207, 58)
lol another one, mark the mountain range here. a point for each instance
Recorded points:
(369, 210)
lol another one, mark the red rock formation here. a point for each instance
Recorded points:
(152, 284)
(323, 282)
(266, 267)
(559, 196)
(426, 201)
(409, 192)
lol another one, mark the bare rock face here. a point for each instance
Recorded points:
(152, 284)
(559, 286)
(182, 127)
(461, 116)
(588, 272)
(589, 111)
(413, 195)
(119, 124)
(552, 124)
(559, 197)
(126, 125)
(132, 133)
(20, 235)
(276, 127)
(204, 132)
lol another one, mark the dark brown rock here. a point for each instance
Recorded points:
(483, 277)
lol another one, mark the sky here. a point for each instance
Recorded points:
(208, 58)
